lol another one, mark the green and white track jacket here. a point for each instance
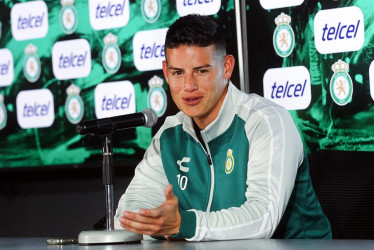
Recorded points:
(252, 181)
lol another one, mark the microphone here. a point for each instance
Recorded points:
(146, 118)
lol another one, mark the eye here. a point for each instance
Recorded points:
(176, 73)
(202, 71)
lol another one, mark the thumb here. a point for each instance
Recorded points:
(169, 195)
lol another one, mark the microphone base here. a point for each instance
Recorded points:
(108, 237)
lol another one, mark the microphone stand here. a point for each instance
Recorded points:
(108, 179)
(109, 236)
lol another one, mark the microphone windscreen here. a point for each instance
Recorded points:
(150, 117)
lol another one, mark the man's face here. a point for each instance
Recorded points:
(198, 77)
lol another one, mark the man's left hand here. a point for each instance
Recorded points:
(164, 220)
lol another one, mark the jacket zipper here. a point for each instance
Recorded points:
(209, 159)
(210, 162)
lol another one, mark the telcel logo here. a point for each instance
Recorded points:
(71, 59)
(149, 49)
(35, 108)
(276, 4)
(202, 7)
(371, 79)
(288, 87)
(108, 14)
(114, 99)
(6, 67)
(29, 20)
(339, 30)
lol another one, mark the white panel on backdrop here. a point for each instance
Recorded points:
(371, 79)
(114, 99)
(6, 67)
(35, 108)
(275, 4)
(339, 30)
(108, 14)
(71, 59)
(202, 7)
(288, 87)
(149, 49)
(29, 20)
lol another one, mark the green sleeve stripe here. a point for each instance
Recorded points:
(188, 225)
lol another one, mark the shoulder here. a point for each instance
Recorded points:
(171, 122)
(270, 125)
(255, 108)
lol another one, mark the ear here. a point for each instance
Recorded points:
(165, 70)
(229, 64)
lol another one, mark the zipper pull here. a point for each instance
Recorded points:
(209, 159)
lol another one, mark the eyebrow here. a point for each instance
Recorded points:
(195, 68)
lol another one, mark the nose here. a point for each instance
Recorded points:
(190, 83)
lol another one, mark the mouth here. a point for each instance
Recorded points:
(191, 101)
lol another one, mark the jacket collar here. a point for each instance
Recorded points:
(222, 121)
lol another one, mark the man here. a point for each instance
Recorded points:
(229, 165)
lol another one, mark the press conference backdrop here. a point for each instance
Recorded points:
(315, 58)
(65, 61)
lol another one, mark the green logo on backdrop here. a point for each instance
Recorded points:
(283, 37)
(74, 107)
(31, 64)
(68, 17)
(151, 10)
(341, 87)
(111, 54)
(156, 98)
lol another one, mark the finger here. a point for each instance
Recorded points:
(135, 230)
(168, 192)
(154, 213)
(147, 216)
(139, 227)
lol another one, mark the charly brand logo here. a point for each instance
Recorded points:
(181, 167)
(31, 63)
(149, 49)
(151, 10)
(111, 54)
(71, 59)
(29, 20)
(339, 30)
(3, 113)
(74, 107)
(35, 108)
(229, 164)
(156, 98)
(276, 4)
(68, 16)
(371, 79)
(288, 87)
(283, 37)
(341, 87)
(108, 14)
(6, 67)
(202, 7)
(114, 98)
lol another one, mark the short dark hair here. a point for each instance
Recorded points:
(195, 30)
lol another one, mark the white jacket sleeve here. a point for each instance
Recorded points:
(146, 189)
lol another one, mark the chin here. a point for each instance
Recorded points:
(190, 113)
